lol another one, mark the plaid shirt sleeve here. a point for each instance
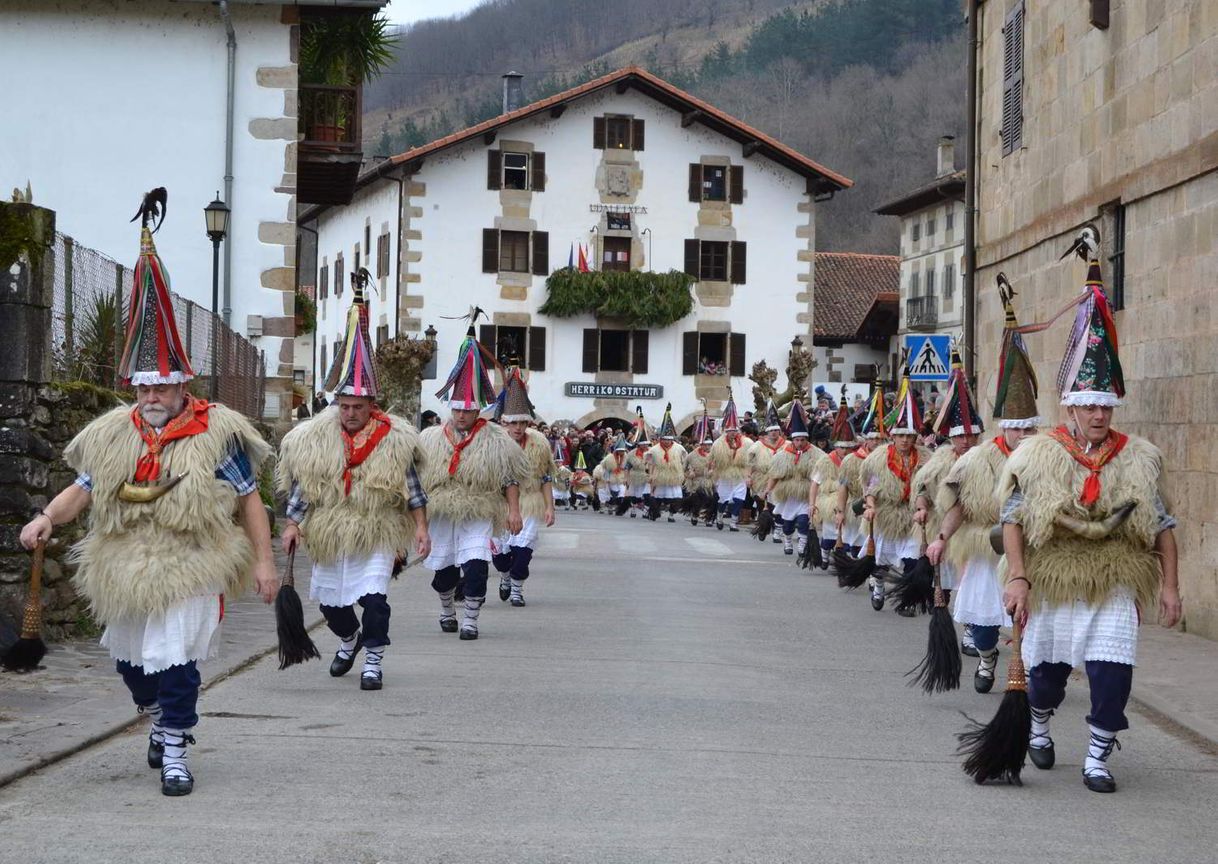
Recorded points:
(235, 470)
(297, 507)
(415, 496)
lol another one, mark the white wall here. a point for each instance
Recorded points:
(935, 252)
(456, 205)
(107, 99)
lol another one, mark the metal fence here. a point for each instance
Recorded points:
(89, 326)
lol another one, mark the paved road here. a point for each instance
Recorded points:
(669, 695)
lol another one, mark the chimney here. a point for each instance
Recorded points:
(947, 156)
(513, 91)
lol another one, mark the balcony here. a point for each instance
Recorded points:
(330, 153)
(922, 313)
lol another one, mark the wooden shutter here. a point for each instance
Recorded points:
(486, 335)
(490, 250)
(695, 182)
(735, 353)
(1012, 80)
(598, 133)
(691, 258)
(639, 345)
(541, 253)
(494, 169)
(591, 349)
(737, 264)
(735, 175)
(636, 134)
(689, 353)
(537, 349)
(538, 164)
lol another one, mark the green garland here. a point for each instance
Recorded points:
(306, 308)
(639, 298)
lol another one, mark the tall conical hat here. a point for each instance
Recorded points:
(667, 429)
(638, 435)
(469, 382)
(704, 428)
(905, 418)
(843, 432)
(354, 370)
(731, 421)
(153, 353)
(513, 404)
(560, 454)
(1090, 373)
(1015, 399)
(580, 464)
(772, 421)
(797, 421)
(620, 445)
(874, 424)
(958, 414)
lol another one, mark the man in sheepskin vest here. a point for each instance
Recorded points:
(790, 477)
(1078, 577)
(698, 483)
(761, 454)
(729, 467)
(616, 469)
(888, 486)
(822, 493)
(513, 552)
(666, 467)
(355, 500)
(176, 523)
(472, 470)
(638, 470)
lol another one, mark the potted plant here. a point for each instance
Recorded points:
(340, 50)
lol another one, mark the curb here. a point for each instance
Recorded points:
(1201, 727)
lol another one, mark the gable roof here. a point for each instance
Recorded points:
(949, 187)
(820, 179)
(848, 286)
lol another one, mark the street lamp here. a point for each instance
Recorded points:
(216, 214)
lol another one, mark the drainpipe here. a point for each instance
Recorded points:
(397, 286)
(228, 156)
(316, 300)
(970, 202)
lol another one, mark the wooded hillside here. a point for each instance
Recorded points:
(863, 86)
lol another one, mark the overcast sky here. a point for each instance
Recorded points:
(410, 11)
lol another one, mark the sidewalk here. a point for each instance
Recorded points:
(77, 699)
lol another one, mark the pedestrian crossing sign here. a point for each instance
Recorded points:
(929, 355)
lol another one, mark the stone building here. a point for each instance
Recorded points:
(1110, 116)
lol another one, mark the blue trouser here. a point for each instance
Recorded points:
(1110, 685)
(175, 689)
(733, 507)
(827, 544)
(984, 638)
(514, 562)
(474, 572)
(799, 523)
(343, 623)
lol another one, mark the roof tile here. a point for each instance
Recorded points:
(847, 285)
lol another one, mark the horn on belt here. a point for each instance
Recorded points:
(1088, 529)
(145, 493)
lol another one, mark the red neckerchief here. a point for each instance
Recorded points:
(619, 457)
(836, 457)
(191, 421)
(703, 450)
(1001, 443)
(735, 448)
(1094, 462)
(790, 448)
(665, 446)
(458, 446)
(360, 445)
(903, 472)
(775, 448)
(859, 453)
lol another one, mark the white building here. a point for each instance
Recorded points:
(932, 249)
(106, 100)
(645, 176)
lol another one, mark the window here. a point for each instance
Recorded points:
(382, 255)
(616, 351)
(930, 283)
(1012, 80)
(949, 282)
(716, 183)
(713, 260)
(930, 227)
(949, 221)
(508, 252)
(712, 353)
(357, 260)
(917, 231)
(322, 371)
(617, 221)
(509, 170)
(915, 279)
(617, 133)
(382, 335)
(367, 238)
(615, 253)
(323, 282)
(338, 276)
(1116, 277)
(526, 344)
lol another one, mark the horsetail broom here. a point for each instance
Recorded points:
(27, 652)
(996, 751)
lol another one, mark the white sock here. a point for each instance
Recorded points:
(157, 734)
(802, 544)
(517, 588)
(446, 604)
(346, 647)
(372, 661)
(472, 606)
(1098, 751)
(989, 660)
(1039, 736)
(174, 763)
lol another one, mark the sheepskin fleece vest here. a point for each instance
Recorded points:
(793, 479)
(475, 492)
(697, 472)
(562, 478)
(826, 496)
(670, 473)
(614, 475)
(760, 457)
(727, 464)
(140, 559)
(851, 474)
(376, 514)
(927, 481)
(892, 514)
(972, 483)
(636, 468)
(1063, 567)
(539, 463)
